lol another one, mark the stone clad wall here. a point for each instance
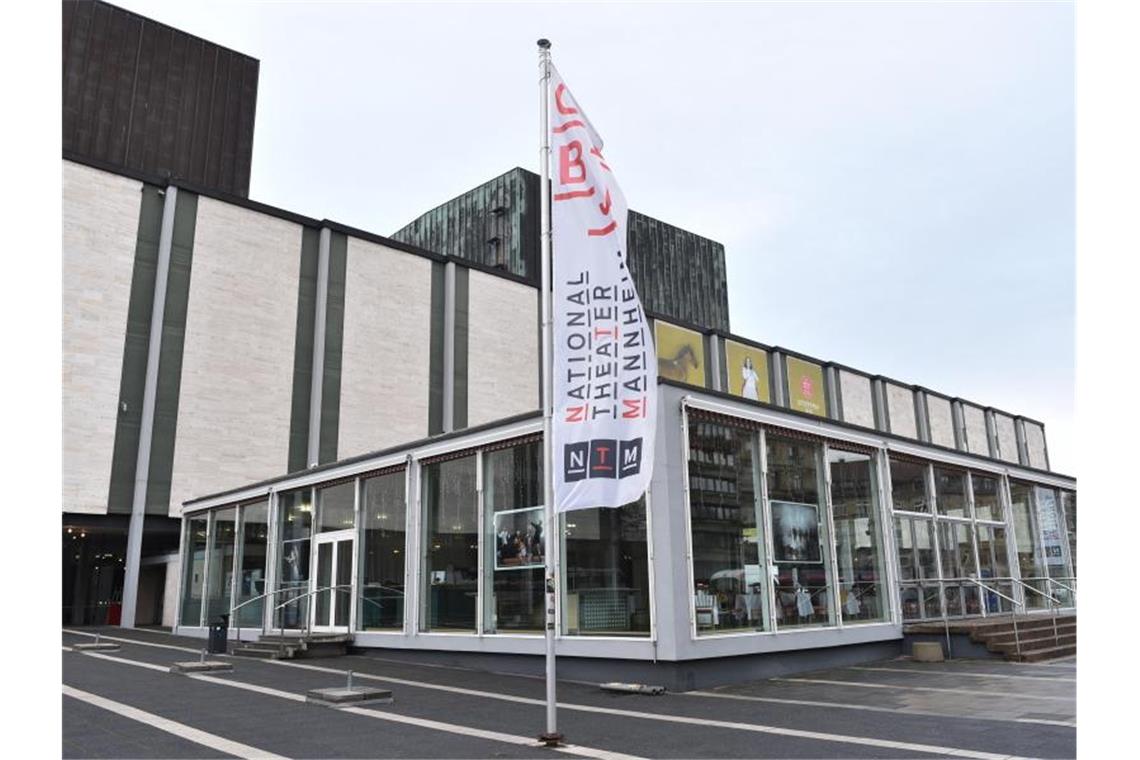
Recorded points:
(101, 215)
(503, 349)
(384, 392)
(237, 365)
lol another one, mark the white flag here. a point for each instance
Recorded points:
(605, 390)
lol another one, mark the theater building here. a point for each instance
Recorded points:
(315, 428)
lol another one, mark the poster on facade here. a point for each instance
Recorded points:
(1051, 533)
(680, 353)
(805, 387)
(795, 532)
(604, 393)
(747, 371)
(518, 538)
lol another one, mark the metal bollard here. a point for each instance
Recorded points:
(349, 680)
(202, 657)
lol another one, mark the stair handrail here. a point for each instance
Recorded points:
(1013, 616)
(1052, 607)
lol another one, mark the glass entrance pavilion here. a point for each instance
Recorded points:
(765, 530)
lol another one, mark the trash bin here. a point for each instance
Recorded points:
(219, 632)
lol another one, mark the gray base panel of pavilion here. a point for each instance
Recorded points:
(684, 675)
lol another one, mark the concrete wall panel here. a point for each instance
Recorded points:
(941, 419)
(900, 408)
(503, 352)
(1006, 436)
(385, 358)
(237, 364)
(975, 420)
(101, 218)
(855, 398)
(1035, 442)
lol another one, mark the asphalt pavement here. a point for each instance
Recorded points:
(126, 704)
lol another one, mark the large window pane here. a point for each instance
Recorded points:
(1053, 541)
(1069, 504)
(799, 534)
(731, 589)
(1030, 562)
(336, 507)
(221, 570)
(950, 491)
(251, 580)
(858, 540)
(908, 486)
(295, 526)
(607, 571)
(451, 545)
(194, 571)
(993, 566)
(383, 522)
(514, 539)
(987, 504)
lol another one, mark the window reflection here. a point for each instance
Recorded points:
(383, 518)
(801, 563)
(858, 543)
(731, 589)
(451, 545)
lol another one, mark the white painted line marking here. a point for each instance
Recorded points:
(870, 708)
(181, 730)
(136, 641)
(959, 673)
(526, 741)
(862, 685)
(125, 661)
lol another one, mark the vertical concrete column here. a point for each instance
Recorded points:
(779, 375)
(959, 425)
(991, 435)
(879, 405)
(146, 424)
(715, 363)
(1022, 443)
(449, 347)
(316, 390)
(921, 415)
(831, 383)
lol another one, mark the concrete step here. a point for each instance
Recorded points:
(1038, 655)
(265, 652)
(1006, 636)
(1032, 645)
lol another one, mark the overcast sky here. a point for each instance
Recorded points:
(893, 183)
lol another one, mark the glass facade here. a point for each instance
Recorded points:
(606, 570)
(220, 567)
(731, 590)
(193, 570)
(383, 525)
(251, 575)
(513, 539)
(860, 564)
(801, 562)
(450, 545)
(786, 532)
(294, 530)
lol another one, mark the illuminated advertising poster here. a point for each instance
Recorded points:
(1052, 536)
(805, 387)
(680, 354)
(747, 371)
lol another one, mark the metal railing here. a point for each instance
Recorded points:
(307, 628)
(1054, 603)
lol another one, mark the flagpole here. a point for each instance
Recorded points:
(550, 737)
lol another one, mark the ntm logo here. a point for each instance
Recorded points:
(601, 458)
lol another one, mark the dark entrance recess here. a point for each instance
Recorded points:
(94, 552)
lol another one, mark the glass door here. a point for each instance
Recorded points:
(332, 582)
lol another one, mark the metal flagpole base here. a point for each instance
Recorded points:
(551, 740)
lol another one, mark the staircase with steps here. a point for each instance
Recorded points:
(285, 647)
(1036, 637)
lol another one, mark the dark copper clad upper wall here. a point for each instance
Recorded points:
(678, 274)
(144, 96)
